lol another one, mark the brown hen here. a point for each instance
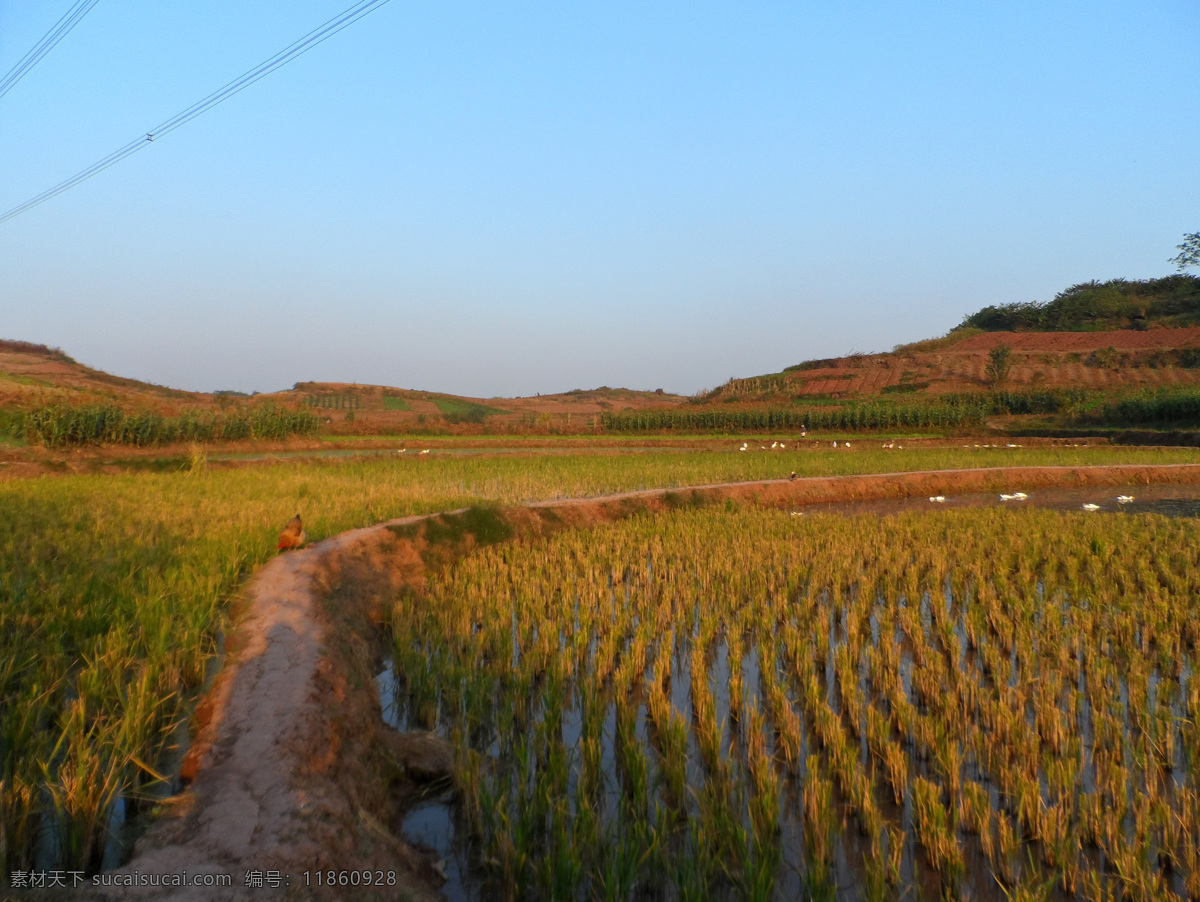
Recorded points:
(293, 534)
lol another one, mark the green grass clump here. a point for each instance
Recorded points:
(22, 379)
(12, 427)
(459, 410)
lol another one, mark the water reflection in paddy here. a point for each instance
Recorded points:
(1169, 500)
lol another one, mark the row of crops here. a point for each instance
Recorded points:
(724, 703)
(334, 400)
(1170, 407)
(64, 426)
(944, 411)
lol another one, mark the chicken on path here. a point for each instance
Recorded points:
(293, 534)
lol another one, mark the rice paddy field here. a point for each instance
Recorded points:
(738, 703)
(114, 591)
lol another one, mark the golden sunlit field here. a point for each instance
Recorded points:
(728, 703)
(115, 590)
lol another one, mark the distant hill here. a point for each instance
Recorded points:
(1096, 345)
(351, 408)
(1109, 337)
(1109, 361)
(34, 377)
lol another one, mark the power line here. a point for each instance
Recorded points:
(282, 58)
(69, 20)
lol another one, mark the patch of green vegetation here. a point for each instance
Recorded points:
(1163, 407)
(1095, 306)
(391, 402)
(486, 524)
(404, 530)
(22, 379)
(820, 400)
(458, 410)
(150, 464)
(682, 500)
(12, 426)
(904, 388)
(811, 365)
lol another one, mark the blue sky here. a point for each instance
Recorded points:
(495, 200)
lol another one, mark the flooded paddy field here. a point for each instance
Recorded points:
(996, 701)
(116, 591)
(1168, 500)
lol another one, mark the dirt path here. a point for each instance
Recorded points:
(269, 791)
(294, 772)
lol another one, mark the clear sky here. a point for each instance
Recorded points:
(501, 199)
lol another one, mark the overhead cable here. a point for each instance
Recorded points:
(69, 20)
(289, 53)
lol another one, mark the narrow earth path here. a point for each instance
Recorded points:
(292, 771)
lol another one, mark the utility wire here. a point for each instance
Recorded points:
(69, 20)
(283, 57)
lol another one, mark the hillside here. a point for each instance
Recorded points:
(1112, 337)
(1118, 361)
(350, 408)
(1145, 373)
(36, 378)
(35, 375)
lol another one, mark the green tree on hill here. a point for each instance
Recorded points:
(1189, 252)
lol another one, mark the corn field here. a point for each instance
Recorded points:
(61, 427)
(723, 703)
(1169, 407)
(943, 411)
